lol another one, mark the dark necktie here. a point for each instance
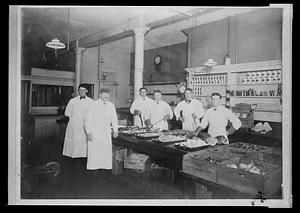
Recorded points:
(82, 97)
(187, 101)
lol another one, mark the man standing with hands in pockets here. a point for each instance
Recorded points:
(101, 122)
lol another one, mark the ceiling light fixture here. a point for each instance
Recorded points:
(55, 44)
(209, 64)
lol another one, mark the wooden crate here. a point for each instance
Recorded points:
(267, 154)
(137, 161)
(119, 154)
(271, 155)
(251, 183)
(197, 165)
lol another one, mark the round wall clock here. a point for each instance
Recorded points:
(157, 59)
(181, 88)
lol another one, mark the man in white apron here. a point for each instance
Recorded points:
(158, 113)
(217, 118)
(138, 108)
(101, 120)
(75, 143)
(189, 111)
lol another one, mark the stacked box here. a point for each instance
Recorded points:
(137, 161)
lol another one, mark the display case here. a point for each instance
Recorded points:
(258, 84)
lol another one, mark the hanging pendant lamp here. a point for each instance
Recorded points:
(209, 64)
(55, 44)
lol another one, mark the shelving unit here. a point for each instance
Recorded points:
(257, 83)
(255, 97)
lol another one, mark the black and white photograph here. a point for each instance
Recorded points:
(150, 105)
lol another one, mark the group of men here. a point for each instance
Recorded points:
(92, 124)
(89, 130)
(155, 113)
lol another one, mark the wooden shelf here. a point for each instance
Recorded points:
(214, 85)
(254, 96)
(262, 110)
(255, 84)
(197, 96)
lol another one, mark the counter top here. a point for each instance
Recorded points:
(165, 154)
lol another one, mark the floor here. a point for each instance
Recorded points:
(74, 181)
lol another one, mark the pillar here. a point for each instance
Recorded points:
(139, 34)
(78, 67)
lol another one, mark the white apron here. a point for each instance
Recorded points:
(140, 104)
(218, 120)
(100, 119)
(188, 109)
(75, 143)
(156, 111)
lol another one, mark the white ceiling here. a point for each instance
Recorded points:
(41, 24)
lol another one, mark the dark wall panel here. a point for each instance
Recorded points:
(259, 36)
(174, 60)
(250, 37)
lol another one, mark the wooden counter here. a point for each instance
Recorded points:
(203, 176)
(168, 155)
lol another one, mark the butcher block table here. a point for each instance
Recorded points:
(168, 154)
(253, 171)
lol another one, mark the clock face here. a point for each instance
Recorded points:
(157, 59)
(182, 89)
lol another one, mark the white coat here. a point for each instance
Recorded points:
(141, 105)
(156, 111)
(75, 143)
(217, 119)
(100, 119)
(188, 109)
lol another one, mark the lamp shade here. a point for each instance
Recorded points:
(55, 44)
(210, 63)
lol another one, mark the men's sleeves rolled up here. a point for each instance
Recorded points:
(169, 111)
(236, 123)
(133, 107)
(177, 110)
(147, 111)
(204, 121)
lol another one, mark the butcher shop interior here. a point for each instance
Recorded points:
(142, 105)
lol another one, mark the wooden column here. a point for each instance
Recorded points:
(139, 34)
(78, 67)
